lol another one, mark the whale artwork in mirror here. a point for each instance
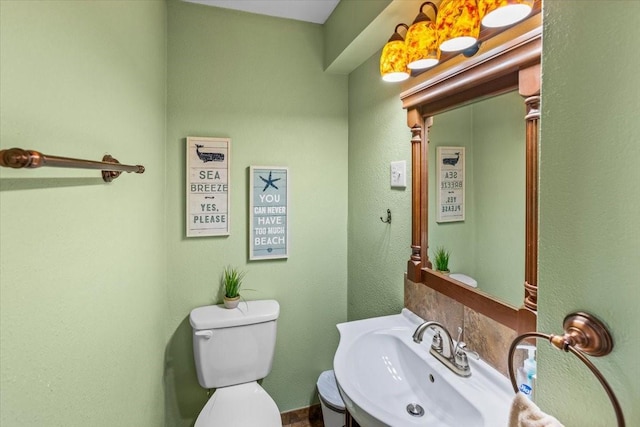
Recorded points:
(487, 241)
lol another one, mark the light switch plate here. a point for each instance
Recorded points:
(399, 173)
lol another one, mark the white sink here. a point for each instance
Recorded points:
(380, 370)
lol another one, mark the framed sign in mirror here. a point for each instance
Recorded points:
(207, 186)
(450, 183)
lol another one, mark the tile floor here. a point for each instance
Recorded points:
(305, 423)
(305, 417)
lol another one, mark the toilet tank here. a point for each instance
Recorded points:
(234, 346)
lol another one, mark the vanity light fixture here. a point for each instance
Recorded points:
(393, 61)
(500, 13)
(458, 25)
(422, 41)
(456, 28)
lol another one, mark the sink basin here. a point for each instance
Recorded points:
(380, 372)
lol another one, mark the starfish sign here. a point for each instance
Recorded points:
(269, 182)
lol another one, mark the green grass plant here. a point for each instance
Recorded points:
(232, 281)
(441, 258)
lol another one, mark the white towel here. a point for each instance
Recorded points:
(525, 413)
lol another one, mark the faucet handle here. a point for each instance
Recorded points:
(436, 343)
(455, 350)
(462, 349)
(460, 356)
(461, 360)
(460, 352)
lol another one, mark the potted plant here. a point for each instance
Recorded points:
(231, 282)
(441, 258)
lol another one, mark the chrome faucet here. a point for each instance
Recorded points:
(454, 358)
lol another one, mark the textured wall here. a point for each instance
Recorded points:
(346, 24)
(378, 252)
(260, 81)
(83, 300)
(590, 203)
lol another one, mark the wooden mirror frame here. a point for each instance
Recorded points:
(507, 61)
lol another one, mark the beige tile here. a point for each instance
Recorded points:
(432, 305)
(298, 415)
(415, 297)
(489, 338)
(303, 417)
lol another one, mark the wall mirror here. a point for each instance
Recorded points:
(442, 106)
(487, 185)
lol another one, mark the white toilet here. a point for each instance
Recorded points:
(234, 348)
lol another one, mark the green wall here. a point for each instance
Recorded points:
(489, 244)
(378, 253)
(453, 128)
(349, 19)
(260, 81)
(589, 203)
(499, 161)
(82, 296)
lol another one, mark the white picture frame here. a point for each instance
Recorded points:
(208, 186)
(450, 182)
(268, 212)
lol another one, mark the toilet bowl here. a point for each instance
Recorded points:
(233, 349)
(243, 405)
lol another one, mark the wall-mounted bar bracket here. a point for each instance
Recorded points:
(586, 333)
(17, 158)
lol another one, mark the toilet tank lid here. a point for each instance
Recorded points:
(469, 281)
(247, 313)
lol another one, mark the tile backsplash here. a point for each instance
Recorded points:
(489, 338)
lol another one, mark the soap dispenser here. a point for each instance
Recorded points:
(527, 373)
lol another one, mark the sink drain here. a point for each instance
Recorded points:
(415, 410)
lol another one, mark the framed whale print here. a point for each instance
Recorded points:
(268, 212)
(450, 181)
(207, 200)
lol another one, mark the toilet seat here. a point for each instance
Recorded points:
(242, 405)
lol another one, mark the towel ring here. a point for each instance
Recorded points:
(583, 334)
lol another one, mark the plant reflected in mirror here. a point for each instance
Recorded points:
(441, 259)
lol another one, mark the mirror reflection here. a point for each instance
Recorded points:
(479, 213)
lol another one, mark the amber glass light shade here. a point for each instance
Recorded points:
(393, 61)
(458, 25)
(501, 13)
(422, 41)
